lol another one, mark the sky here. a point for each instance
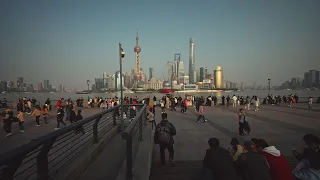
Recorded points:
(68, 42)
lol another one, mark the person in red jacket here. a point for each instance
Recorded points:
(279, 166)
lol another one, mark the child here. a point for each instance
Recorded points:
(21, 121)
(151, 119)
(80, 128)
(201, 113)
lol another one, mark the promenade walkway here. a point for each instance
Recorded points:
(280, 126)
(32, 131)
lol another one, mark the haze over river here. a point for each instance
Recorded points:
(304, 94)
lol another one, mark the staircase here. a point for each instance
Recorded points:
(183, 170)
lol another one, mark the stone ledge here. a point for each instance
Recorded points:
(76, 168)
(142, 164)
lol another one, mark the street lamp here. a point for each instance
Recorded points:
(18, 88)
(121, 55)
(269, 81)
(88, 83)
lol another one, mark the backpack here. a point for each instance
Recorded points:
(164, 134)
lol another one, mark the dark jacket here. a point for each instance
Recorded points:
(60, 113)
(253, 166)
(171, 128)
(220, 162)
(73, 116)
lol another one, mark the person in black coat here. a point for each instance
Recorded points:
(219, 161)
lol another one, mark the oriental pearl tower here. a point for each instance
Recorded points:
(137, 69)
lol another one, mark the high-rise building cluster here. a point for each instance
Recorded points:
(310, 80)
(22, 86)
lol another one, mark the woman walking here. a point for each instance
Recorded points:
(20, 117)
(37, 113)
(45, 114)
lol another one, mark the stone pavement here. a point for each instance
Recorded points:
(32, 131)
(282, 127)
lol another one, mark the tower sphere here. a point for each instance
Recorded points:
(137, 49)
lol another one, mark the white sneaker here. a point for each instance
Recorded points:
(22, 131)
(38, 125)
(205, 120)
(56, 129)
(9, 134)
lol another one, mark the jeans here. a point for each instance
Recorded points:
(153, 123)
(241, 127)
(60, 120)
(163, 147)
(38, 120)
(21, 126)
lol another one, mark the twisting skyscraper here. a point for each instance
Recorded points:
(192, 73)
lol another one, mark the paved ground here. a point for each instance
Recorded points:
(32, 131)
(280, 126)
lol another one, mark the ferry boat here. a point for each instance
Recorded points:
(82, 92)
(166, 91)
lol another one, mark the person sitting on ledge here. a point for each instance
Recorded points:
(219, 161)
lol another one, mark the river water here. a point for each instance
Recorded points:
(304, 94)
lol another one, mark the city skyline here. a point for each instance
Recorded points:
(68, 43)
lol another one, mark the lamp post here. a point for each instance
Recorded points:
(269, 82)
(88, 83)
(121, 55)
(18, 88)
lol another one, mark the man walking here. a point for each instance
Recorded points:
(164, 137)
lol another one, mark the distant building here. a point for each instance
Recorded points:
(127, 80)
(151, 73)
(117, 81)
(153, 85)
(192, 70)
(311, 79)
(46, 85)
(99, 83)
(180, 70)
(60, 88)
(40, 87)
(202, 76)
(3, 86)
(30, 87)
(190, 87)
(170, 71)
(218, 75)
(111, 82)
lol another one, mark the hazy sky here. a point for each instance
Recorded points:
(69, 42)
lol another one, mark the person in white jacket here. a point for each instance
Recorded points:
(234, 101)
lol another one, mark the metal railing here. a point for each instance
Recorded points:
(44, 156)
(133, 136)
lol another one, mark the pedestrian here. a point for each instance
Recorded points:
(164, 137)
(20, 117)
(201, 112)
(241, 120)
(151, 118)
(7, 122)
(79, 128)
(60, 116)
(45, 113)
(37, 113)
(310, 101)
(162, 106)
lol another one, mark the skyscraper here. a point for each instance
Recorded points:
(176, 62)
(151, 73)
(46, 85)
(170, 71)
(180, 72)
(192, 72)
(127, 80)
(202, 75)
(218, 77)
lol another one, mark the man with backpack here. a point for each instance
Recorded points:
(164, 137)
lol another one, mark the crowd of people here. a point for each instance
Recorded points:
(254, 160)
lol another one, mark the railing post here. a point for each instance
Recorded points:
(114, 114)
(140, 127)
(129, 157)
(95, 129)
(42, 160)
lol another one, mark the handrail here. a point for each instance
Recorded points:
(133, 135)
(43, 157)
(129, 129)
